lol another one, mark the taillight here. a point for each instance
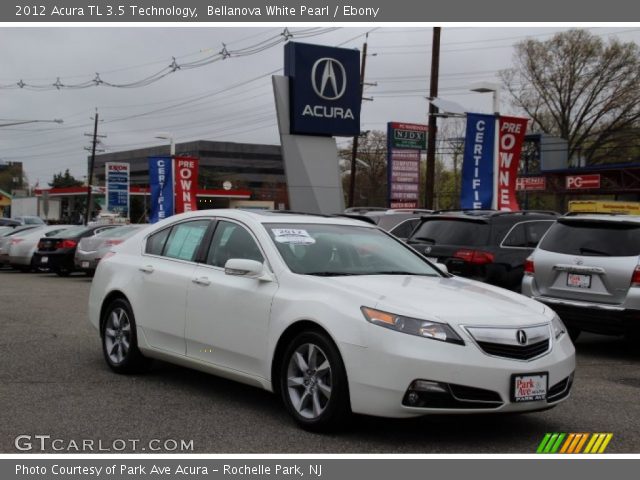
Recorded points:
(40, 245)
(529, 267)
(68, 244)
(635, 278)
(476, 257)
(111, 243)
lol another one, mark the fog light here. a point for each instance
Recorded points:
(413, 398)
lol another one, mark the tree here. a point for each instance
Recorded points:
(61, 180)
(580, 88)
(371, 169)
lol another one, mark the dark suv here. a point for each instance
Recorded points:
(485, 245)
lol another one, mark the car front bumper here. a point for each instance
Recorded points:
(380, 374)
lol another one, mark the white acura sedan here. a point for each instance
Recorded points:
(335, 315)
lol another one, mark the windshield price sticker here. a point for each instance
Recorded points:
(293, 236)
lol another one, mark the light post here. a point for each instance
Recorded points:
(172, 145)
(486, 87)
(22, 122)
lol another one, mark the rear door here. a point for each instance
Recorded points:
(588, 260)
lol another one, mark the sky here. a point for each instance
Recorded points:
(225, 100)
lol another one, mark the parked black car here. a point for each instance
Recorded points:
(57, 252)
(484, 245)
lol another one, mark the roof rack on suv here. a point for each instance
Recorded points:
(575, 214)
(468, 211)
(494, 213)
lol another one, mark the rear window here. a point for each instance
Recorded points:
(610, 239)
(452, 232)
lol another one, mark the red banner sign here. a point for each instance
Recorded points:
(511, 132)
(531, 183)
(582, 182)
(186, 174)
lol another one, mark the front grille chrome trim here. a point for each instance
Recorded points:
(487, 337)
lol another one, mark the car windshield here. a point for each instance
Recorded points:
(333, 250)
(119, 232)
(452, 232)
(593, 238)
(70, 232)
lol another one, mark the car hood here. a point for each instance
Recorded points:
(453, 300)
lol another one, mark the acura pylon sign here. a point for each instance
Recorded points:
(324, 89)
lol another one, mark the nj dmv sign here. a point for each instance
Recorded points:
(324, 89)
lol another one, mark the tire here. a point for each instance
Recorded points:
(119, 339)
(317, 398)
(574, 333)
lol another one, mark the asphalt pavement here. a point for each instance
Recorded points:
(54, 381)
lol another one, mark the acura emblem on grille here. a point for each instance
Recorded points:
(521, 336)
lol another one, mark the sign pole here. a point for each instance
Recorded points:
(354, 150)
(433, 110)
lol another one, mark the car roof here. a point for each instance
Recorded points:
(607, 217)
(275, 216)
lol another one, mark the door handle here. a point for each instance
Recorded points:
(146, 269)
(202, 281)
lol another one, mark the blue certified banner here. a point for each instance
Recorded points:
(478, 162)
(161, 185)
(324, 89)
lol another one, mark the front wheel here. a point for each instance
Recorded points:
(313, 382)
(119, 339)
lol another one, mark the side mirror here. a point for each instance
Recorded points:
(242, 267)
(442, 267)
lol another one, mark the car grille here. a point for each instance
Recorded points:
(517, 352)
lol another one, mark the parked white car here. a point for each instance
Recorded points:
(333, 314)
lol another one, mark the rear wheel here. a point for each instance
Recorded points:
(119, 339)
(313, 382)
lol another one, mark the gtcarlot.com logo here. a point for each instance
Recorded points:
(47, 443)
(574, 443)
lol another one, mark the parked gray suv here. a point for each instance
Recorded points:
(587, 269)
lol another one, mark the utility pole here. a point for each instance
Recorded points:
(354, 149)
(433, 110)
(91, 164)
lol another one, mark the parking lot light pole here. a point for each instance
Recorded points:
(23, 122)
(486, 87)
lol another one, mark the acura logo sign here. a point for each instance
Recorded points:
(521, 336)
(328, 78)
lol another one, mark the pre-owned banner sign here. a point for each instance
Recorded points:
(161, 185)
(478, 163)
(186, 170)
(117, 187)
(510, 138)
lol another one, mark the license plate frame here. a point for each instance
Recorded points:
(538, 391)
(579, 280)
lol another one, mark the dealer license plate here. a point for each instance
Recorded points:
(84, 264)
(577, 280)
(529, 388)
(44, 259)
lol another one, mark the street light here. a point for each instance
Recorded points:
(168, 136)
(22, 122)
(486, 87)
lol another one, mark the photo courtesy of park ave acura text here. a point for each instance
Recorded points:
(311, 240)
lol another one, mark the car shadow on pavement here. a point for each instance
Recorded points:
(609, 347)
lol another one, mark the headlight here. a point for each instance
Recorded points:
(412, 326)
(558, 327)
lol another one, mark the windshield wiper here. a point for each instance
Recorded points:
(331, 274)
(594, 251)
(423, 239)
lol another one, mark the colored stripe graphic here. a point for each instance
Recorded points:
(574, 443)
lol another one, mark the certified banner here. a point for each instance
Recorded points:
(117, 187)
(478, 162)
(510, 137)
(186, 169)
(161, 185)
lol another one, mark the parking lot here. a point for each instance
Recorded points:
(54, 381)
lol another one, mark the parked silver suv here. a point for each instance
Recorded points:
(587, 269)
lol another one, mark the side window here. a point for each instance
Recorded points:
(404, 229)
(155, 243)
(535, 231)
(184, 239)
(231, 240)
(516, 237)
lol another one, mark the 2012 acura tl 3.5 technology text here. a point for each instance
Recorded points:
(333, 314)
